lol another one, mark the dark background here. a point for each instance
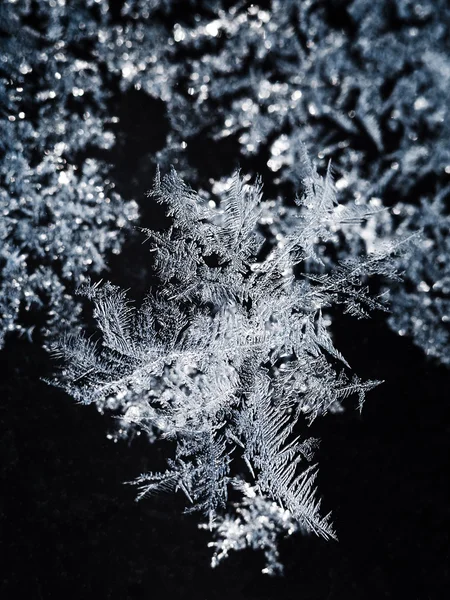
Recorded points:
(71, 529)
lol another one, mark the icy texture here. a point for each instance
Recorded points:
(257, 522)
(369, 76)
(421, 306)
(367, 82)
(229, 351)
(60, 215)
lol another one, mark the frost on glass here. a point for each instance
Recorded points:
(228, 354)
(60, 214)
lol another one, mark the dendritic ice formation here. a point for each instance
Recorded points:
(365, 82)
(228, 354)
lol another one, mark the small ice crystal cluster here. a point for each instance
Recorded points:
(421, 305)
(364, 83)
(60, 214)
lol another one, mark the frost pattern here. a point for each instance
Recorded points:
(60, 214)
(256, 523)
(228, 353)
(366, 82)
(369, 77)
(421, 306)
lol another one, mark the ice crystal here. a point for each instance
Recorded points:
(228, 354)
